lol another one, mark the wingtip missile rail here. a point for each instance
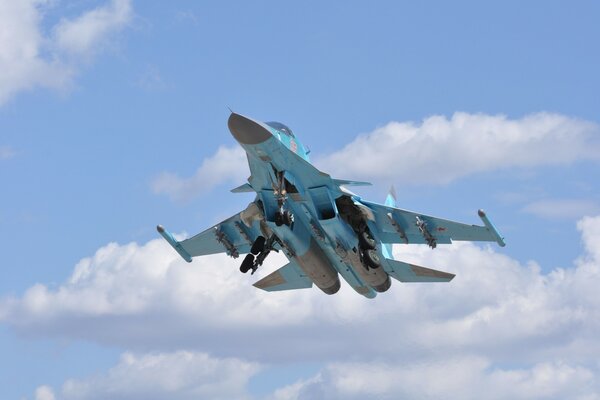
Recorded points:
(174, 243)
(491, 228)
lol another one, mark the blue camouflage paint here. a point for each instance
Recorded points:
(322, 242)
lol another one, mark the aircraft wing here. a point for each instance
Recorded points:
(394, 225)
(231, 236)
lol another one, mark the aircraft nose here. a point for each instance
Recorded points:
(247, 131)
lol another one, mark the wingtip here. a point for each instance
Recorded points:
(494, 231)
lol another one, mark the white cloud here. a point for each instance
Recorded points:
(437, 151)
(190, 375)
(146, 297)
(86, 34)
(461, 378)
(512, 328)
(440, 150)
(30, 59)
(44, 393)
(227, 165)
(6, 152)
(177, 375)
(590, 233)
(563, 208)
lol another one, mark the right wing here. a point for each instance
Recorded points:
(231, 236)
(395, 225)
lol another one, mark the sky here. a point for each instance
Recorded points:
(113, 120)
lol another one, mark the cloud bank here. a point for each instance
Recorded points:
(125, 294)
(468, 377)
(29, 58)
(440, 150)
(189, 375)
(182, 375)
(500, 328)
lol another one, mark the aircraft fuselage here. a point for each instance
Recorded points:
(324, 230)
(322, 243)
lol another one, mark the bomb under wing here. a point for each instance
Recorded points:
(325, 231)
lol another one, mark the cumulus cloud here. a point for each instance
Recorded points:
(190, 375)
(85, 34)
(440, 149)
(145, 297)
(30, 59)
(436, 151)
(175, 375)
(500, 325)
(44, 393)
(467, 377)
(182, 375)
(227, 165)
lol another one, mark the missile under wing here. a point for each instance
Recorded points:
(325, 231)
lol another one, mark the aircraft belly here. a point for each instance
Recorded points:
(309, 232)
(377, 278)
(336, 229)
(317, 266)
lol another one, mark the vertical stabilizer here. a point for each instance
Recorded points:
(390, 201)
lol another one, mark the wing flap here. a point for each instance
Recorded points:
(405, 272)
(288, 277)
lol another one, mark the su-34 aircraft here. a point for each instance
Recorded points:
(324, 230)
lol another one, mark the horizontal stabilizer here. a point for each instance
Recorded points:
(243, 188)
(343, 182)
(288, 277)
(405, 272)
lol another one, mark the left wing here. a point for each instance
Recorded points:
(394, 225)
(231, 236)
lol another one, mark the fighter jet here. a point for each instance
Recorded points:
(325, 230)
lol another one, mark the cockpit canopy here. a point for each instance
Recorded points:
(280, 127)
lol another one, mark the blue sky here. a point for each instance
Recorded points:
(113, 119)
